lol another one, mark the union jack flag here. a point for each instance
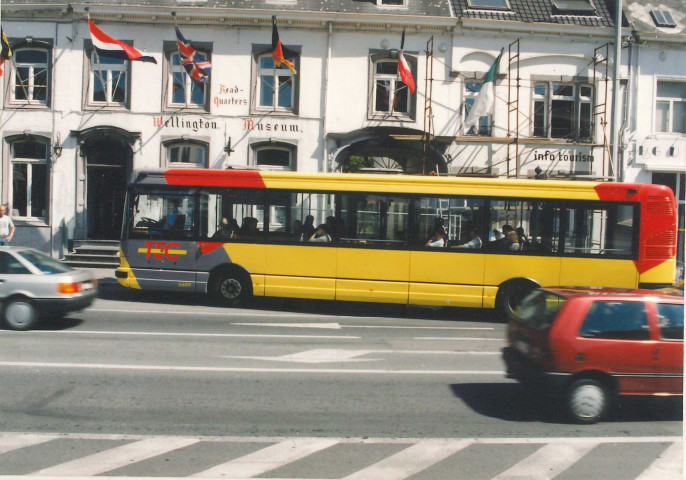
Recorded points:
(196, 67)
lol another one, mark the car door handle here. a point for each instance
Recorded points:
(656, 353)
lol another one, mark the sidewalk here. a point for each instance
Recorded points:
(104, 275)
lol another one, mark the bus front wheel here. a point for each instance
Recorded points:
(231, 288)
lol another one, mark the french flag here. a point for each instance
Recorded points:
(109, 47)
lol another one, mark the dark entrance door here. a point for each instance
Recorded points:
(107, 167)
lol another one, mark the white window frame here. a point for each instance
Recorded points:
(391, 80)
(190, 87)
(190, 146)
(670, 102)
(111, 74)
(578, 100)
(29, 162)
(258, 147)
(392, 3)
(33, 69)
(276, 75)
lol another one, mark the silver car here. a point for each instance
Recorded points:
(34, 286)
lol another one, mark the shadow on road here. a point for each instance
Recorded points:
(514, 403)
(111, 291)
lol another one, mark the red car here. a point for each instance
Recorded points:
(591, 345)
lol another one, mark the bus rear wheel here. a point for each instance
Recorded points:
(511, 294)
(231, 288)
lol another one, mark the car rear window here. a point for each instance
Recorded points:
(622, 320)
(670, 317)
(44, 263)
(539, 309)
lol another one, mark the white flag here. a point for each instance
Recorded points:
(484, 103)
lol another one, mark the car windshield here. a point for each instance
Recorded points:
(538, 309)
(44, 263)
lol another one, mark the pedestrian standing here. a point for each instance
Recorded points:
(6, 227)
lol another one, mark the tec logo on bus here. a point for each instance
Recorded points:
(162, 250)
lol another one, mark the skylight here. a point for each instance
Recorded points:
(573, 7)
(489, 4)
(663, 18)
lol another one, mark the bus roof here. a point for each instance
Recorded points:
(369, 182)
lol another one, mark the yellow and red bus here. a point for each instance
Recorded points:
(237, 234)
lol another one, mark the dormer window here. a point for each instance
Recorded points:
(489, 4)
(573, 7)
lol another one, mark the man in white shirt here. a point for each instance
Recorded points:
(6, 227)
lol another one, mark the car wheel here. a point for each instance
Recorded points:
(587, 401)
(20, 314)
(231, 288)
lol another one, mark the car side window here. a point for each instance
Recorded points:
(670, 317)
(616, 320)
(10, 265)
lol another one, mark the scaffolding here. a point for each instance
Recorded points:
(513, 106)
(599, 117)
(429, 132)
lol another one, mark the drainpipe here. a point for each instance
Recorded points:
(325, 102)
(615, 164)
(52, 156)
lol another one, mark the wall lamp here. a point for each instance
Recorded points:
(57, 147)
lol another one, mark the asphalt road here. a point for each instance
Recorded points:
(142, 366)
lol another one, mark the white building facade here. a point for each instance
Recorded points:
(75, 125)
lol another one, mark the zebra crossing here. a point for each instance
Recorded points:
(85, 456)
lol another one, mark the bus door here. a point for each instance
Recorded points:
(451, 271)
(373, 262)
(300, 260)
(603, 239)
(160, 247)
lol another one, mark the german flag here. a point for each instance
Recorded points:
(277, 49)
(6, 51)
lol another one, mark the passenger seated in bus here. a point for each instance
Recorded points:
(321, 234)
(523, 240)
(504, 242)
(227, 230)
(437, 240)
(475, 241)
(308, 226)
(514, 241)
(298, 231)
(494, 235)
(249, 228)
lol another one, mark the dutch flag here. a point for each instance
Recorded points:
(109, 47)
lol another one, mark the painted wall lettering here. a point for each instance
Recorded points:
(249, 124)
(552, 156)
(177, 122)
(230, 95)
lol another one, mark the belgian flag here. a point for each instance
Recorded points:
(6, 51)
(277, 49)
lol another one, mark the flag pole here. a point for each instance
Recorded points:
(97, 59)
(178, 50)
(397, 73)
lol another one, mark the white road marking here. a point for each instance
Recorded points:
(669, 465)
(220, 313)
(15, 441)
(182, 368)
(118, 457)
(548, 462)
(410, 461)
(180, 334)
(268, 458)
(331, 326)
(459, 339)
(320, 355)
(407, 327)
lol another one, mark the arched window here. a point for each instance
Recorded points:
(186, 153)
(29, 191)
(273, 155)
